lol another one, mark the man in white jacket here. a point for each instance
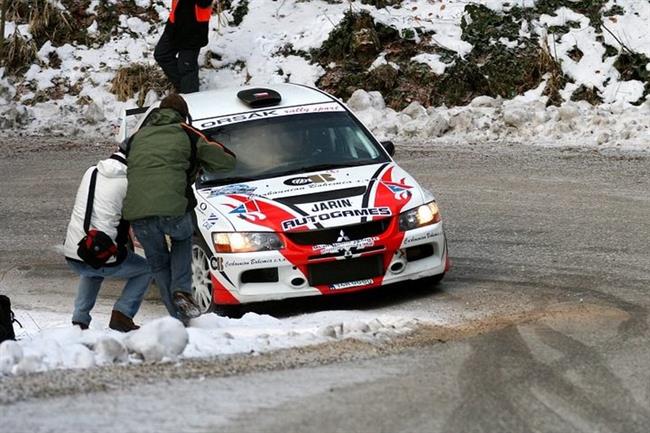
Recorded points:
(106, 216)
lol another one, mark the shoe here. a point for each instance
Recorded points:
(186, 305)
(121, 322)
(82, 325)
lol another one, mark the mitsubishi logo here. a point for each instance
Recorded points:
(342, 237)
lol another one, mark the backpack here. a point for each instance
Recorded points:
(96, 248)
(6, 320)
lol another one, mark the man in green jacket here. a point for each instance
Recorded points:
(164, 157)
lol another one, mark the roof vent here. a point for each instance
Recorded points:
(258, 97)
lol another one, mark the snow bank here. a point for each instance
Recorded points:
(166, 339)
(271, 43)
(524, 119)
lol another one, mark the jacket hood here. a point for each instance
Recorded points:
(114, 166)
(164, 116)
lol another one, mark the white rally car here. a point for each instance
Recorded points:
(314, 206)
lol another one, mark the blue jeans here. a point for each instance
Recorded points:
(134, 269)
(172, 268)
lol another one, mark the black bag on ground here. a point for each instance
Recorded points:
(6, 320)
(96, 248)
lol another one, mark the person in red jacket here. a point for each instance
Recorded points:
(177, 51)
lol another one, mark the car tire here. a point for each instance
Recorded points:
(230, 311)
(201, 281)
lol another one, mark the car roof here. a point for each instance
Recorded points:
(222, 102)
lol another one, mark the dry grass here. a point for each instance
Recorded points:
(556, 78)
(17, 53)
(138, 79)
(47, 22)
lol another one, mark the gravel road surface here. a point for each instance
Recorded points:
(550, 284)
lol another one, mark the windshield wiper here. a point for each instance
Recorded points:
(225, 180)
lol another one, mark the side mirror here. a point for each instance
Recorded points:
(389, 146)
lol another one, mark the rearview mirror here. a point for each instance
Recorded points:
(389, 146)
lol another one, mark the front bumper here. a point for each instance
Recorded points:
(307, 270)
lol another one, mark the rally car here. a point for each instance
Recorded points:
(314, 206)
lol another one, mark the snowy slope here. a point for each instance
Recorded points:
(266, 46)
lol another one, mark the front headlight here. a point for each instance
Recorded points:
(418, 217)
(246, 242)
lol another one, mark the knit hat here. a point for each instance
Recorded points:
(176, 102)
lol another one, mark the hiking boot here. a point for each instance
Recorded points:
(121, 322)
(186, 305)
(82, 325)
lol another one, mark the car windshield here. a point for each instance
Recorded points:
(293, 144)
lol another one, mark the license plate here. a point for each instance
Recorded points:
(349, 284)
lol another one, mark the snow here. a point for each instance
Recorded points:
(48, 342)
(526, 118)
(433, 61)
(255, 52)
(251, 54)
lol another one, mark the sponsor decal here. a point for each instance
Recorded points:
(302, 221)
(350, 284)
(400, 189)
(344, 244)
(254, 262)
(249, 211)
(238, 188)
(330, 204)
(262, 114)
(307, 180)
(217, 263)
(422, 237)
(210, 221)
(239, 118)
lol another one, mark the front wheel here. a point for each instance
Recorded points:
(201, 281)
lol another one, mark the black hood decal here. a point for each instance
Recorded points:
(322, 196)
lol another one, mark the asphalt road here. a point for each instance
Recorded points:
(550, 245)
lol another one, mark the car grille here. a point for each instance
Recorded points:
(341, 271)
(331, 235)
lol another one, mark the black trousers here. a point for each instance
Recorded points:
(180, 65)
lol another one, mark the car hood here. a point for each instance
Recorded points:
(309, 201)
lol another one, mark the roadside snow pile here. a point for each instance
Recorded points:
(523, 119)
(446, 52)
(166, 339)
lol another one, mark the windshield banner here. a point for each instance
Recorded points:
(270, 112)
